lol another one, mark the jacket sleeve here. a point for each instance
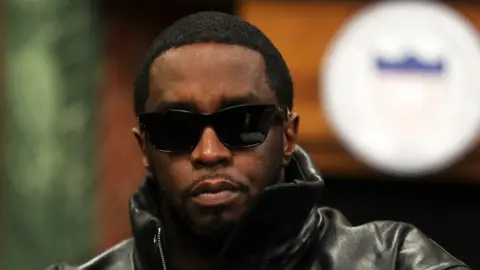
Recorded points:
(418, 252)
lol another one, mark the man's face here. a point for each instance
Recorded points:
(205, 78)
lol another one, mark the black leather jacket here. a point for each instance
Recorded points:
(285, 230)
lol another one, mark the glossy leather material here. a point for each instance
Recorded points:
(287, 230)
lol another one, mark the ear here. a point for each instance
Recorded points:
(290, 137)
(142, 144)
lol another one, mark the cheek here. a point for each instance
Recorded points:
(172, 173)
(262, 164)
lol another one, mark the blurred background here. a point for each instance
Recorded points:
(69, 162)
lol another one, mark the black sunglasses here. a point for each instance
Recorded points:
(239, 126)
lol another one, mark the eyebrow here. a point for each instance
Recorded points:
(189, 105)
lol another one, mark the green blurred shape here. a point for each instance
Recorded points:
(48, 192)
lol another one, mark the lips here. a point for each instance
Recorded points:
(214, 185)
(215, 192)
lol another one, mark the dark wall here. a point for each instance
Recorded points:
(447, 213)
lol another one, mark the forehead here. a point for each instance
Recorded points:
(207, 76)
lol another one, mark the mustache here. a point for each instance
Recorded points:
(226, 177)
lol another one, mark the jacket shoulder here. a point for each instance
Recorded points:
(393, 242)
(119, 257)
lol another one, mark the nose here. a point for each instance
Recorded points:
(210, 151)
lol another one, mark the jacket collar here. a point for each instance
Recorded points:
(276, 223)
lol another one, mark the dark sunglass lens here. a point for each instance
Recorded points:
(173, 131)
(244, 126)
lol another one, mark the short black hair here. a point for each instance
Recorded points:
(211, 26)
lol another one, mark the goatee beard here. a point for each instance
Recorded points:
(210, 239)
(207, 239)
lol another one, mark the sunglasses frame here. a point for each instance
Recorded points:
(280, 110)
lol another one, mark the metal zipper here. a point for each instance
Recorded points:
(157, 240)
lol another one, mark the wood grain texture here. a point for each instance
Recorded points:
(120, 158)
(302, 32)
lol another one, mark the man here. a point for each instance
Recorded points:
(226, 185)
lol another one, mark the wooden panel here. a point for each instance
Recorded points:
(302, 32)
(120, 159)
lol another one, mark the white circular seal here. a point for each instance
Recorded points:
(401, 86)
